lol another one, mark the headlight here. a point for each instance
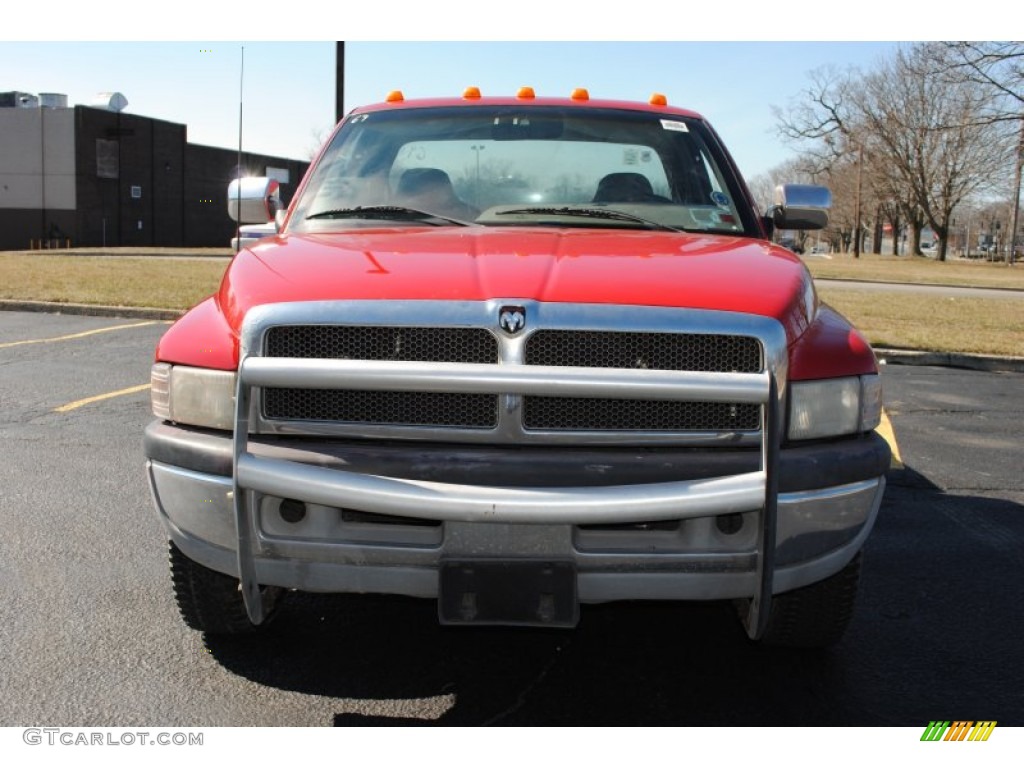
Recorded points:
(834, 407)
(198, 396)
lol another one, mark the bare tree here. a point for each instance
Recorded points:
(827, 123)
(920, 133)
(796, 170)
(822, 112)
(926, 131)
(996, 66)
(762, 187)
(999, 67)
(316, 139)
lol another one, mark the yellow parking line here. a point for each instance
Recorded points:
(885, 430)
(96, 398)
(7, 344)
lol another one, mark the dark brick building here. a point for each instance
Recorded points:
(98, 177)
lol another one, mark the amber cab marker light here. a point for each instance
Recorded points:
(580, 94)
(394, 96)
(658, 100)
(472, 92)
(526, 92)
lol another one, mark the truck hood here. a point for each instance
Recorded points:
(662, 269)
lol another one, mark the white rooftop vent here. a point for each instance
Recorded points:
(112, 102)
(53, 100)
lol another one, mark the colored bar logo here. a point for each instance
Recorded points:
(959, 730)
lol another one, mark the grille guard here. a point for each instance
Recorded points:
(675, 500)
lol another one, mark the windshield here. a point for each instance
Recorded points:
(521, 165)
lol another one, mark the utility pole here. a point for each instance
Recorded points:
(1016, 195)
(339, 81)
(856, 214)
(238, 173)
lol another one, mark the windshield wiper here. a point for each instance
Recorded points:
(387, 212)
(593, 213)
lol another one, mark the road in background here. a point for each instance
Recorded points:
(955, 291)
(91, 636)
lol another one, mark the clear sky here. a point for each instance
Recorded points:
(289, 87)
(730, 76)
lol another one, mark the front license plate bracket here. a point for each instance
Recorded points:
(532, 593)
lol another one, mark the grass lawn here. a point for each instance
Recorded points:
(915, 269)
(123, 281)
(941, 324)
(891, 319)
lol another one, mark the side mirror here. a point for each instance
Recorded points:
(253, 199)
(800, 206)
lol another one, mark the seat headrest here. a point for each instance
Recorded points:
(623, 188)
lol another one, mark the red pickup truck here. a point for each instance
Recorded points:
(515, 355)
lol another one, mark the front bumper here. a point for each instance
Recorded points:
(692, 504)
(383, 517)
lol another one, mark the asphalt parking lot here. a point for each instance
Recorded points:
(91, 636)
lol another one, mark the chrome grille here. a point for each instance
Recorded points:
(357, 342)
(718, 353)
(415, 409)
(354, 342)
(580, 413)
(654, 351)
(646, 339)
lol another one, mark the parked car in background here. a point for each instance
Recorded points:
(249, 234)
(249, 197)
(792, 244)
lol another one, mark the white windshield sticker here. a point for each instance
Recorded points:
(674, 125)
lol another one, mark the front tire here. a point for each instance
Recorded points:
(815, 616)
(210, 601)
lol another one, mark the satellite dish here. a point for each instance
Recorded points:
(110, 101)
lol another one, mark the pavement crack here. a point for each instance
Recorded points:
(528, 688)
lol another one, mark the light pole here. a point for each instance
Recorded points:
(477, 148)
(1016, 196)
(339, 80)
(856, 208)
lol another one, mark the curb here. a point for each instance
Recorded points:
(861, 281)
(94, 310)
(992, 363)
(129, 253)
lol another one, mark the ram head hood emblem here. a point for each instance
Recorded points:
(512, 319)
